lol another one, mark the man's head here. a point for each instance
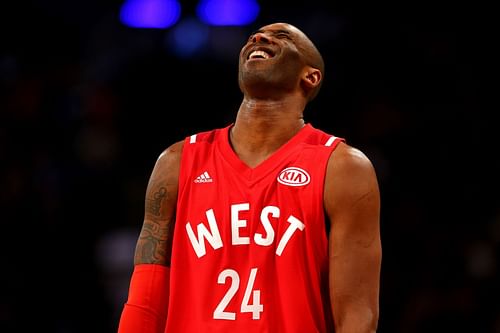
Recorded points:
(279, 58)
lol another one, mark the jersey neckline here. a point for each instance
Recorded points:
(266, 166)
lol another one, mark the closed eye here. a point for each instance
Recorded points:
(283, 35)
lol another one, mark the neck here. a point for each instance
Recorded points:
(263, 126)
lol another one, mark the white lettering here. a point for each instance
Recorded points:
(236, 224)
(295, 224)
(212, 236)
(264, 218)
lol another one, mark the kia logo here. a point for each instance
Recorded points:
(294, 176)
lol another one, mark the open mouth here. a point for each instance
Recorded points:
(260, 54)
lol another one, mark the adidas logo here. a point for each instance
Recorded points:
(204, 178)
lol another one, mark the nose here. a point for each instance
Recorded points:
(260, 37)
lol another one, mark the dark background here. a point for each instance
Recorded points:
(87, 105)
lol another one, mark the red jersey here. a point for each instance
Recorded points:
(250, 247)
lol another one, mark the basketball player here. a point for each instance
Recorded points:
(266, 225)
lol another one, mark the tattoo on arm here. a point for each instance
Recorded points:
(154, 244)
(153, 205)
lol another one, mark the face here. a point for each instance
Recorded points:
(271, 62)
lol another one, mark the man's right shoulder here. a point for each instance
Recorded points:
(174, 149)
(173, 153)
(171, 156)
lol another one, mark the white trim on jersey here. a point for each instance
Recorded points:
(330, 141)
(192, 139)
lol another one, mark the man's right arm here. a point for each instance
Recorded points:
(147, 303)
(154, 244)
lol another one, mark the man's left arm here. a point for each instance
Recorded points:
(352, 202)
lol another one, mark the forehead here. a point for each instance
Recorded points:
(282, 26)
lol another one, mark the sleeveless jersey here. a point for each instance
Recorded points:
(250, 247)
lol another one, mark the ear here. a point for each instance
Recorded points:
(311, 78)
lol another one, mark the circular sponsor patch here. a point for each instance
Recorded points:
(294, 176)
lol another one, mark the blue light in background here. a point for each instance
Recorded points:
(228, 12)
(188, 37)
(156, 14)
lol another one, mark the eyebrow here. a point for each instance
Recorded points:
(274, 32)
(281, 32)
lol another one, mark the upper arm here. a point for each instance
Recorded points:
(155, 239)
(352, 202)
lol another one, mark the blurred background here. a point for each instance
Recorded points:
(92, 91)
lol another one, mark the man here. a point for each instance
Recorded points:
(266, 225)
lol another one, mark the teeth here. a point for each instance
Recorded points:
(259, 54)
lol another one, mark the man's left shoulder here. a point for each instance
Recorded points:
(348, 157)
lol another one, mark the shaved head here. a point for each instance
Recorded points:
(310, 54)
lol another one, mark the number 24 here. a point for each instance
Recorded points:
(255, 308)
